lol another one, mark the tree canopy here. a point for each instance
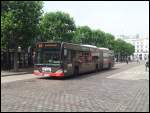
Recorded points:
(22, 24)
(57, 26)
(19, 22)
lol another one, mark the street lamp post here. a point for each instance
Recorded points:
(29, 56)
(19, 51)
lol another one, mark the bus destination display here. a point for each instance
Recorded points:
(48, 45)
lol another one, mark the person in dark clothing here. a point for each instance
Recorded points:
(127, 60)
(147, 65)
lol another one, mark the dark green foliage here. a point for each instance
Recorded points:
(19, 22)
(57, 26)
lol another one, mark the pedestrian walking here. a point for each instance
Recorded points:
(146, 65)
(33, 57)
(127, 60)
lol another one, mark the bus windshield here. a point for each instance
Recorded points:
(48, 56)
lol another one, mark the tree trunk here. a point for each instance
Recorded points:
(15, 62)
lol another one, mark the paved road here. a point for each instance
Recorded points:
(124, 88)
(11, 76)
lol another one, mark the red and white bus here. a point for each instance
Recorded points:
(66, 59)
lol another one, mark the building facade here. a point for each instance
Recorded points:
(141, 44)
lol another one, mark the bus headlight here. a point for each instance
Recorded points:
(59, 71)
(36, 70)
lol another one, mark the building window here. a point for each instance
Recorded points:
(141, 46)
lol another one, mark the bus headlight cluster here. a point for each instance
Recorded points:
(60, 71)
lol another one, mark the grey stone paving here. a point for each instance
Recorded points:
(92, 92)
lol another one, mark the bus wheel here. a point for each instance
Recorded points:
(76, 71)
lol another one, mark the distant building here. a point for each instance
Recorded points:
(141, 44)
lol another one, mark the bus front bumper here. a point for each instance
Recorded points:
(56, 74)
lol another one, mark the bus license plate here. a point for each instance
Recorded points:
(45, 69)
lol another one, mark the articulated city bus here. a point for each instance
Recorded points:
(66, 59)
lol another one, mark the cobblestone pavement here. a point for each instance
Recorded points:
(103, 91)
(13, 78)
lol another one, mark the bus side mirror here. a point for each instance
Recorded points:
(65, 52)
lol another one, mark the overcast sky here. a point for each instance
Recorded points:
(115, 17)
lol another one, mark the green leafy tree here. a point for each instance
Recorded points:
(19, 23)
(98, 38)
(6, 28)
(109, 39)
(129, 49)
(83, 35)
(20, 20)
(57, 26)
(123, 49)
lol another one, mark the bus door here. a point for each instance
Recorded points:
(68, 61)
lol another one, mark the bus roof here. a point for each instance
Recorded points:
(102, 48)
(86, 45)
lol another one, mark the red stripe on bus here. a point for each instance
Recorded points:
(49, 74)
(57, 74)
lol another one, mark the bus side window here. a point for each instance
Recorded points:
(81, 56)
(65, 52)
(86, 56)
(105, 55)
(67, 55)
(73, 55)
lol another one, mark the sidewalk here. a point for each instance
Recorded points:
(20, 72)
